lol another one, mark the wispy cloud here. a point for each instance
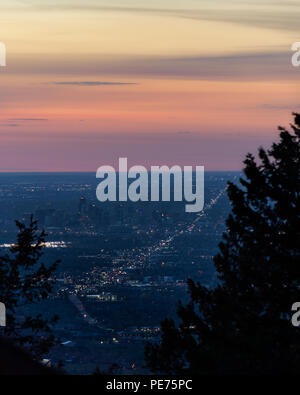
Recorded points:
(9, 125)
(93, 83)
(184, 132)
(28, 119)
(281, 107)
(277, 15)
(248, 66)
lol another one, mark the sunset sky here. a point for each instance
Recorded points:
(160, 81)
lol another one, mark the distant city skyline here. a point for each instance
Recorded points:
(188, 82)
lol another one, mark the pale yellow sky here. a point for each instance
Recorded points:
(124, 33)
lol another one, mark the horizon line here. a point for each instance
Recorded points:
(89, 171)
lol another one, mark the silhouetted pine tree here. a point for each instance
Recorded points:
(243, 326)
(25, 280)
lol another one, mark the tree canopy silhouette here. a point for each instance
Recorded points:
(243, 325)
(25, 280)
